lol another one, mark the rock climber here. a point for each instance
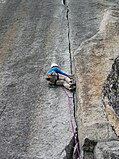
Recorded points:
(56, 76)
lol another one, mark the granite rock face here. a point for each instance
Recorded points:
(82, 36)
(107, 150)
(97, 118)
(34, 119)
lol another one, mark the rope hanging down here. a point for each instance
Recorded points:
(71, 121)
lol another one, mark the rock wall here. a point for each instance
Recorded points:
(82, 36)
(34, 119)
(97, 89)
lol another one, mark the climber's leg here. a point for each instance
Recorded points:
(65, 78)
(63, 83)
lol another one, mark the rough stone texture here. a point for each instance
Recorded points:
(93, 62)
(111, 96)
(84, 18)
(34, 119)
(107, 150)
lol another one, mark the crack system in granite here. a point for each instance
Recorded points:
(70, 56)
(70, 53)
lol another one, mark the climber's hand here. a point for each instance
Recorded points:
(70, 76)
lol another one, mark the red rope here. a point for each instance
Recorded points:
(71, 121)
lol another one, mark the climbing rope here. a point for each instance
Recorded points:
(71, 121)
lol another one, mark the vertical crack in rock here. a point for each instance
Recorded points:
(69, 152)
(70, 53)
(67, 16)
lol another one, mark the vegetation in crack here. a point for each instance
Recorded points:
(111, 87)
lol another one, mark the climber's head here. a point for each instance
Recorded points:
(54, 65)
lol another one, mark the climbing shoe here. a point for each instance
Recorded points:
(72, 88)
(72, 84)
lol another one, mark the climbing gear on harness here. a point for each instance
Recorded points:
(47, 78)
(52, 74)
(52, 77)
(54, 65)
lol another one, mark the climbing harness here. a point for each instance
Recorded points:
(52, 77)
(71, 121)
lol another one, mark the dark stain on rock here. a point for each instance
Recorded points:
(88, 148)
(11, 85)
(111, 87)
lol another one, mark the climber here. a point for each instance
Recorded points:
(56, 76)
